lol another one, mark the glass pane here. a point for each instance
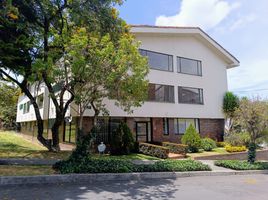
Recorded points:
(189, 66)
(158, 60)
(176, 128)
(165, 126)
(190, 95)
(182, 126)
(162, 93)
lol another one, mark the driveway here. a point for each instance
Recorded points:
(217, 188)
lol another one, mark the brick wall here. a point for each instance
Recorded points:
(213, 128)
(158, 131)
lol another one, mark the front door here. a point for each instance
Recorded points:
(143, 133)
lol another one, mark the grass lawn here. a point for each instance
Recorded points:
(19, 170)
(242, 165)
(12, 145)
(216, 151)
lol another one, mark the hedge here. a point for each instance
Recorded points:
(232, 149)
(111, 165)
(242, 165)
(221, 144)
(154, 150)
(176, 148)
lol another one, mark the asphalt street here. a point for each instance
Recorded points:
(239, 187)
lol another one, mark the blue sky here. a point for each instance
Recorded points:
(241, 26)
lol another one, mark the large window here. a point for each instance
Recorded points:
(180, 125)
(158, 61)
(189, 66)
(161, 93)
(190, 95)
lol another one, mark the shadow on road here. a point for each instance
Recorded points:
(146, 189)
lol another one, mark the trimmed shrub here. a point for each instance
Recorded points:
(221, 144)
(208, 144)
(242, 165)
(154, 150)
(111, 165)
(192, 139)
(232, 149)
(176, 148)
(173, 165)
(122, 141)
(252, 152)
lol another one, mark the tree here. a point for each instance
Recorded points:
(192, 139)
(8, 105)
(33, 38)
(230, 104)
(105, 69)
(252, 115)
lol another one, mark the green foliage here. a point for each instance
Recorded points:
(8, 105)
(252, 116)
(237, 139)
(154, 150)
(111, 165)
(208, 144)
(176, 148)
(192, 139)
(122, 141)
(221, 144)
(242, 165)
(252, 153)
(233, 149)
(230, 104)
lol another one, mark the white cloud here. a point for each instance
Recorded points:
(205, 14)
(243, 21)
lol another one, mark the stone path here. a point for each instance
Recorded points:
(214, 167)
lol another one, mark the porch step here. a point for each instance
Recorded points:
(175, 156)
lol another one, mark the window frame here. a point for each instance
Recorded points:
(172, 86)
(201, 91)
(169, 55)
(179, 66)
(196, 122)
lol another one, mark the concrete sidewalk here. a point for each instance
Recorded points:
(215, 168)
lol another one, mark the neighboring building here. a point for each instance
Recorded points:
(188, 79)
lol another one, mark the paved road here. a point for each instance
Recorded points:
(249, 187)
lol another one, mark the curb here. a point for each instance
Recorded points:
(90, 178)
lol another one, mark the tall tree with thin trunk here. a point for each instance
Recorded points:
(252, 116)
(33, 39)
(106, 69)
(230, 104)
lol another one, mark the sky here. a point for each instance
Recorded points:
(240, 26)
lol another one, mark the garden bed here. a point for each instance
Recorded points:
(111, 165)
(242, 165)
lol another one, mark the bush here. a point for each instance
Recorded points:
(242, 165)
(232, 149)
(173, 165)
(122, 141)
(176, 148)
(208, 144)
(111, 165)
(237, 139)
(221, 144)
(154, 150)
(192, 139)
(94, 165)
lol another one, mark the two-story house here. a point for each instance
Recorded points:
(188, 79)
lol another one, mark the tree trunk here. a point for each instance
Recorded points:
(40, 127)
(55, 134)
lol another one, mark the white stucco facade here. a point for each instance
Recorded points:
(185, 42)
